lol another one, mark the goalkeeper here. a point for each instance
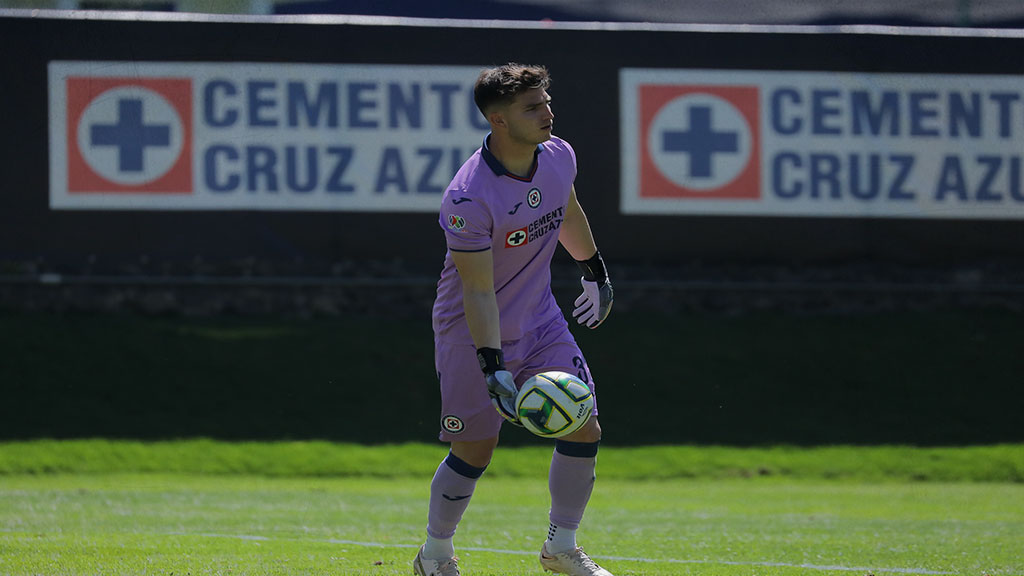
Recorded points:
(496, 322)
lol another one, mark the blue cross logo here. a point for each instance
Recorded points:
(701, 142)
(130, 135)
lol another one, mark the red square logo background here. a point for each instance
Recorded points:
(653, 184)
(524, 231)
(81, 91)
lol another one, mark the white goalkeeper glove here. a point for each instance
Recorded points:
(501, 386)
(593, 306)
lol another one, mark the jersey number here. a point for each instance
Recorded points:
(581, 369)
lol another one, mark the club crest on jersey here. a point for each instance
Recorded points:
(533, 198)
(456, 222)
(452, 424)
(517, 238)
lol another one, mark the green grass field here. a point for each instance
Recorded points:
(203, 507)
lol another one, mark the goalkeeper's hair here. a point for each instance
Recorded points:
(499, 86)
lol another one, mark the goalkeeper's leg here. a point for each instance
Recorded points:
(571, 481)
(450, 494)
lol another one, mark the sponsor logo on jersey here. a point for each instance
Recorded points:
(549, 222)
(517, 238)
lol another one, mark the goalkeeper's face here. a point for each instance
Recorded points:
(529, 117)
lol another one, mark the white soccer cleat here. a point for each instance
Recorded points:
(575, 562)
(426, 567)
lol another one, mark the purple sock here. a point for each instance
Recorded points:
(571, 480)
(450, 492)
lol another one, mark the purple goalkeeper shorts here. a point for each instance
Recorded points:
(466, 410)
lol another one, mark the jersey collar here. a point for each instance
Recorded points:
(499, 169)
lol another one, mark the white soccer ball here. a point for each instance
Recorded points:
(554, 404)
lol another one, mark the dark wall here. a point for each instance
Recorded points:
(928, 379)
(585, 65)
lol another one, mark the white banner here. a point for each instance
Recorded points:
(247, 136)
(770, 143)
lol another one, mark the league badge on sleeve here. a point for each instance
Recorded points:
(456, 222)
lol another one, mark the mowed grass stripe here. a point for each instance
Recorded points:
(995, 463)
(153, 523)
(632, 559)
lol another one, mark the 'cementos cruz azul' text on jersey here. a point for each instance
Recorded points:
(488, 208)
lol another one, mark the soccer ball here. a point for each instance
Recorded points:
(554, 404)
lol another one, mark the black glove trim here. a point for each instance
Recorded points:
(491, 359)
(593, 269)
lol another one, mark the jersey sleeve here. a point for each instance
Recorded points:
(466, 222)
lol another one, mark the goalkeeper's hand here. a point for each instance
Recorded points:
(593, 306)
(501, 386)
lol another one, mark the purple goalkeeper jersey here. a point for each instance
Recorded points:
(488, 208)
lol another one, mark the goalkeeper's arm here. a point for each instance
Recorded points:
(481, 307)
(593, 306)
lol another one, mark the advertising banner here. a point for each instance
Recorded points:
(832, 144)
(254, 136)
